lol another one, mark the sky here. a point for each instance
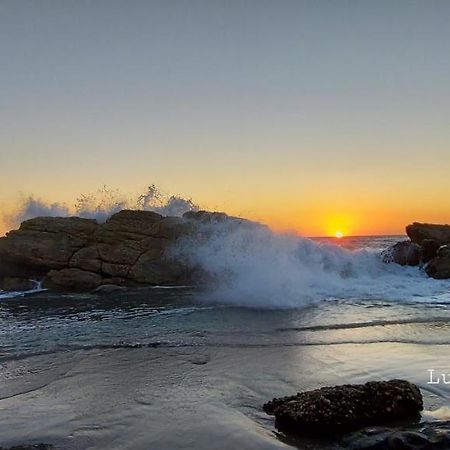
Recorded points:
(310, 116)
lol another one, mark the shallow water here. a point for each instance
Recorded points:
(180, 369)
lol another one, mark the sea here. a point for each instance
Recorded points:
(189, 367)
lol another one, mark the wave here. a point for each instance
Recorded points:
(373, 323)
(249, 265)
(101, 205)
(205, 345)
(13, 294)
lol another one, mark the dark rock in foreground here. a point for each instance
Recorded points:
(425, 436)
(339, 409)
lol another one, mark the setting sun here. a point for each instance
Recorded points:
(339, 234)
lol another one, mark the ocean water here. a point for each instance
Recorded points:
(190, 367)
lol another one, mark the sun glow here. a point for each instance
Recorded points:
(339, 225)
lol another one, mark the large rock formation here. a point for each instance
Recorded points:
(418, 232)
(439, 267)
(405, 253)
(428, 246)
(76, 254)
(339, 409)
(42, 244)
(429, 249)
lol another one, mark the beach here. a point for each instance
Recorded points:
(174, 369)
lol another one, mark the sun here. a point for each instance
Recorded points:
(339, 234)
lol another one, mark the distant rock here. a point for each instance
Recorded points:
(439, 267)
(339, 409)
(417, 232)
(430, 248)
(130, 249)
(206, 218)
(427, 248)
(405, 253)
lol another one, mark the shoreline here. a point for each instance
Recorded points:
(142, 248)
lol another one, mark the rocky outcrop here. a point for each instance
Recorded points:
(405, 253)
(73, 279)
(17, 284)
(429, 249)
(439, 267)
(418, 232)
(428, 246)
(339, 409)
(131, 248)
(43, 244)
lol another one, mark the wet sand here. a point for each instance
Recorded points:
(182, 398)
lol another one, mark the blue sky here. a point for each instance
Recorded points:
(284, 111)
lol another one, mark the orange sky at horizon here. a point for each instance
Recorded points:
(313, 117)
(309, 218)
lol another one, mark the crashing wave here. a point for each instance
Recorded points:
(253, 266)
(101, 205)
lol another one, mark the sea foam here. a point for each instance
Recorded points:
(101, 205)
(253, 266)
(249, 265)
